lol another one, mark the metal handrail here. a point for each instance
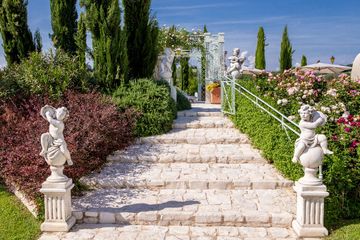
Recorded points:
(243, 91)
(240, 89)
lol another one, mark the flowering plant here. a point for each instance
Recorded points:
(210, 87)
(350, 131)
(178, 37)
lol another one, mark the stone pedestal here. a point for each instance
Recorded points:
(310, 211)
(173, 92)
(58, 217)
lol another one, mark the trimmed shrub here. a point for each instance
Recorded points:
(182, 103)
(94, 129)
(49, 74)
(152, 100)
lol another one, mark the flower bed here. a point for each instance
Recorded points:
(338, 97)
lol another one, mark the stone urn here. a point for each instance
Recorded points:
(311, 159)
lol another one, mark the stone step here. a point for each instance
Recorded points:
(187, 176)
(165, 207)
(203, 113)
(202, 122)
(168, 153)
(198, 136)
(146, 232)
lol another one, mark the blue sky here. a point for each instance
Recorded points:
(317, 28)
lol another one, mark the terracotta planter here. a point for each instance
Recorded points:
(216, 96)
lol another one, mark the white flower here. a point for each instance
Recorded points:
(284, 101)
(292, 90)
(279, 101)
(332, 92)
(345, 114)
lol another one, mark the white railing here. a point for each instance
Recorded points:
(228, 102)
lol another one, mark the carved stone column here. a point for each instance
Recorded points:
(58, 214)
(309, 220)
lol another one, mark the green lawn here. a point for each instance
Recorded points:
(347, 230)
(16, 222)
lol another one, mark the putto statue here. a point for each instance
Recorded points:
(165, 71)
(235, 64)
(310, 147)
(54, 148)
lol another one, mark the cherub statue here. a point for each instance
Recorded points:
(54, 147)
(167, 59)
(310, 120)
(235, 64)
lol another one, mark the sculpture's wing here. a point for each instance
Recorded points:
(45, 109)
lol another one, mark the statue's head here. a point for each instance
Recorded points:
(236, 51)
(306, 112)
(61, 113)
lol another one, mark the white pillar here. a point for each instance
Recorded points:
(58, 216)
(309, 220)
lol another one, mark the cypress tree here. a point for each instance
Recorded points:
(184, 62)
(141, 38)
(37, 41)
(109, 54)
(64, 26)
(260, 50)
(173, 69)
(80, 40)
(303, 61)
(205, 29)
(15, 33)
(285, 51)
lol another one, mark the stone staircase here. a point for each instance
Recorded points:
(202, 180)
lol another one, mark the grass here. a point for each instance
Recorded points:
(346, 230)
(16, 222)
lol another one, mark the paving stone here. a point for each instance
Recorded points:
(165, 153)
(187, 176)
(107, 217)
(153, 232)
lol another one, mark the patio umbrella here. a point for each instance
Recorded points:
(326, 68)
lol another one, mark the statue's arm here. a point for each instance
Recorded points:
(51, 120)
(311, 125)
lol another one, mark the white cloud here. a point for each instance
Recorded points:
(248, 21)
(200, 6)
